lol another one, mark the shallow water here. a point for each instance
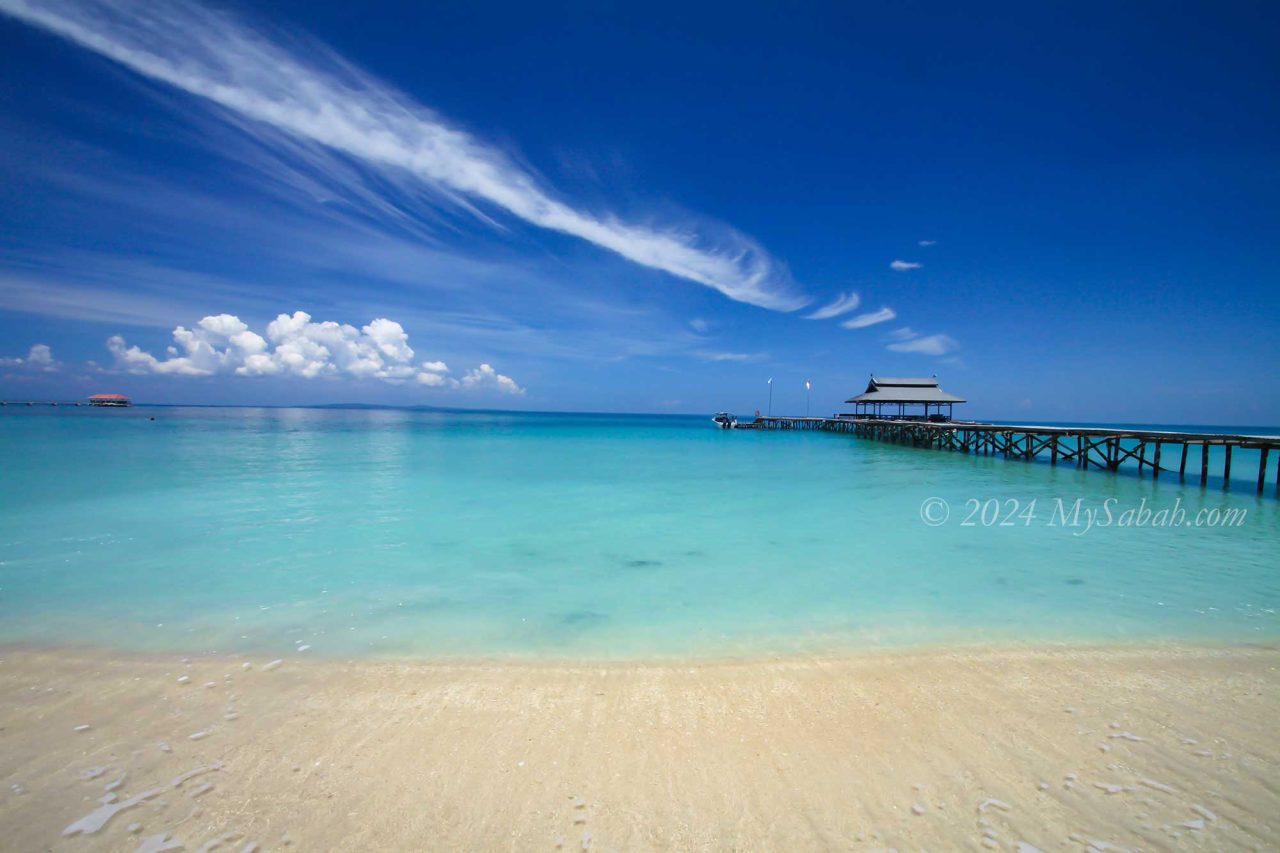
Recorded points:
(391, 532)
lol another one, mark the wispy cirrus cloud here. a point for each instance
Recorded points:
(903, 266)
(729, 356)
(927, 345)
(314, 97)
(145, 295)
(842, 304)
(927, 243)
(871, 318)
(296, 346)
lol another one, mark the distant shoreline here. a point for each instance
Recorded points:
(1267, 429)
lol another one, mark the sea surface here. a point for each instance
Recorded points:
(395, 533)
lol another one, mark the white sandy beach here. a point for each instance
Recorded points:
(1058, 749)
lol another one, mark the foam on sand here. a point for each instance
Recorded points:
(99, 817)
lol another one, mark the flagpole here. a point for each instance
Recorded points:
(770, 397)
(808, 388)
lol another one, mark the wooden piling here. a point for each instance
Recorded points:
(1098, 447)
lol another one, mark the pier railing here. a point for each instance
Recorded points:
(1086, 447)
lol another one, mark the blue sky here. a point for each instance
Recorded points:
(1065, 211)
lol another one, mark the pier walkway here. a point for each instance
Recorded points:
(1098, 447)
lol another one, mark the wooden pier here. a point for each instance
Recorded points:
(1084, 447)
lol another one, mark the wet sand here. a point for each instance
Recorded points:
(1057, 749)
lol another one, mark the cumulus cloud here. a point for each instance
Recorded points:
(870, 318)
(39, 357)
(485, 376)
(296, 345)
(928, 345)
(842, 304)
(903, 266)
(729, 356)
(314, 97)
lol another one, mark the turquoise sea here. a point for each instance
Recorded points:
(408, 533)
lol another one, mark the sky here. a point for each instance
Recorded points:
(1065, 211)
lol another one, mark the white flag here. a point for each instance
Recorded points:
(808, 386)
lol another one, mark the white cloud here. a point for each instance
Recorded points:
(929, 345)
(39, 357)
(485, 376)
(902, 266)
(729, 356)
(434, 380)
(927, 243)
(843, 304)
(295, 345)
(905, 333)
(699, 325)
(317, 98)
(870, 318)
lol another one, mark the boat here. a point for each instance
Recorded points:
(724, 420)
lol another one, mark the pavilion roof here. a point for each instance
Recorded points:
(904, 390)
